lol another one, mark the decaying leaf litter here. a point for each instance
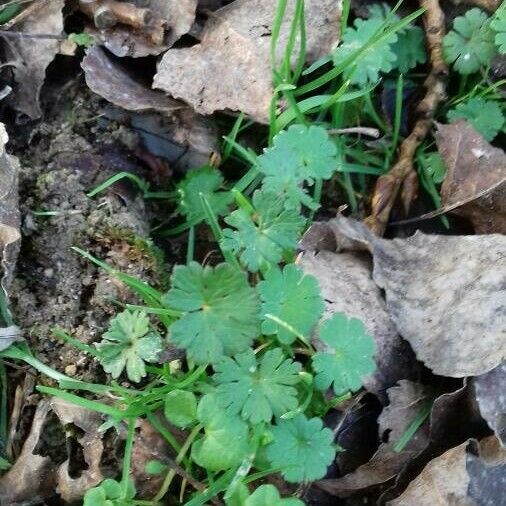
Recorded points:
(393, 348)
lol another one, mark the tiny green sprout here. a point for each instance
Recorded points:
(470, 45)
(268, 495)
(82, 39)
(302, 448)
(486, 116)
(129, 343)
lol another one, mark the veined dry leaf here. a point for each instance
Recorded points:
(173, 18)
(347, 286)
(34, 476)
(32, 57)
(474, 168)
(107, 78)
(445, 294)
(490, 391)
(231, 68)
(9, 229)
(406, 401)
(443, 482)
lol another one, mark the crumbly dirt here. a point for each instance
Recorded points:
(68, 155)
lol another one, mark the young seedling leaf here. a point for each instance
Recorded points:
(410, 46)
(220, 311)
(302, 448)
(129, 343)
(261, 238)
(470, 45)
(257, 388)
(109, 493)
(499, 26)
(380, 57)
(207, 181)
(299, 155)
(180, 407)
(225, 442)
(348, 358)
(293, 297)
(268, 495)
(486, 116)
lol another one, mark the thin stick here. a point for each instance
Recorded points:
(370, 132)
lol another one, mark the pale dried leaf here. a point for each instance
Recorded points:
(490, 391)
(173, 19)
(474, 168)
(406, 401)
(347, 286)
(107, 78)
(445, 294)
(9, 228)
(231, 69)
(443, 482)
(33, 57)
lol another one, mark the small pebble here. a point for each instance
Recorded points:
(71, 370)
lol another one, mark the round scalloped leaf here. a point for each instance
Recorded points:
(470, 45)
(349, 356)
(302, 448)
(261, 238)
(292, 297)
(180, 407)
(257, 389)
(268, 495)
(225, 441)
(298, 155)
(498, 24)
(221, 311)
(485, 116)
(379, 57)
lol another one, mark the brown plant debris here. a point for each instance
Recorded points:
(231, 69)
(442, 292)
(474, 168)
(402, 174)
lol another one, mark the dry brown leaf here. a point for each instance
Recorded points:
(347, 286)
(445, 295)
(474, 167)
(108, 79)
(9, 229)
(443, 482)
(490, 391)
(32, 57)
(173, 18)
(33, 475)
(406, 401)
(231, 69)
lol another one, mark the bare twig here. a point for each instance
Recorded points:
(402, 174)
(488, 5)
(370, 132)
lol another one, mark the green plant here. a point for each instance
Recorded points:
(109, 493)
(486, 116)
(470, 44)
(498, 24)
(129, 343)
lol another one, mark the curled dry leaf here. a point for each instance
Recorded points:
(490, 391)
(469, 474)
(231, 68)
(9, 229)
(105, 77)
(475, 169)
(173, 18)
(36, 476)
(347, 286)
(443, 482)
(30, 59)
(442, 292)
(406, 401)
